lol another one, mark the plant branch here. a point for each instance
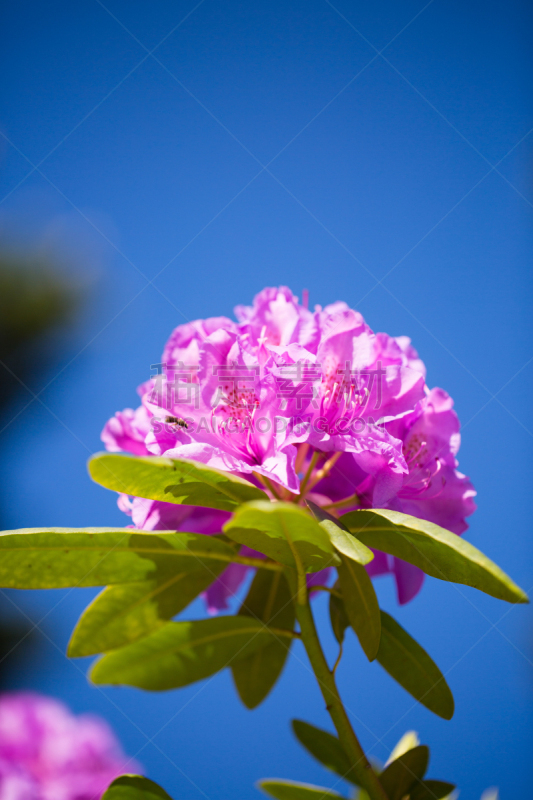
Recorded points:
(362, 769)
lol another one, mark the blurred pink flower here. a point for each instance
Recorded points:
(47, 753)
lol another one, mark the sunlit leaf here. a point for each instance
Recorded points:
(50, 558)
(124, 613)
(490, 794)
(134, 787)
(361, 605)
(341, 538)
(172, 480)
(436, 551)
(283, 531)
(269, 600)
(325, 747)
(412, 668)
(181, 653)
(407, 742)
(290, 790)
(405, 772)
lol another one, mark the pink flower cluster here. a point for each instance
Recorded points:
(307, 404)
(48, 754)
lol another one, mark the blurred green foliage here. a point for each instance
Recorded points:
(37, 304)
(36, 299)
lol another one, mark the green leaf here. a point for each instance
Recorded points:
(337, 615)
(406, 771)
(290, 790)
(181, 653)
(53, 558)
(361, 605)
(284, 532)
(340, 537)
(436, 551)
(412, 668)
(172, 480)
(270, 601)
(134, 787)
(124, 613)
(325, 747)
(431, 790)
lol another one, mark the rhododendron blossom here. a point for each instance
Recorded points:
(46, 753)
(306, 405)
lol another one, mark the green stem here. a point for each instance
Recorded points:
(248, 561)
(325, 470)
(312, 464)
(319, 588)
(362, 770)
(353, 500)
(269, 485)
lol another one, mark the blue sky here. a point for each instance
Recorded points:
(190, 154)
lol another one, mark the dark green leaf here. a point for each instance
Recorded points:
(341, 538)
(284, 532)
(181, 653)
(431, 790)
(124, 613)
(290, 790)
(405, 772)
(412, 668)
(435, 550)
(325, 747)
(270, 601)
(337, 615)
(53, 558)
(361, 605)
(134, 787)
(172, 480)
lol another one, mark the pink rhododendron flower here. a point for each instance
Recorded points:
(433, 489)
(127, 431)
(276, 318)
(306, 405)
(185, 343)
(46, 753)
